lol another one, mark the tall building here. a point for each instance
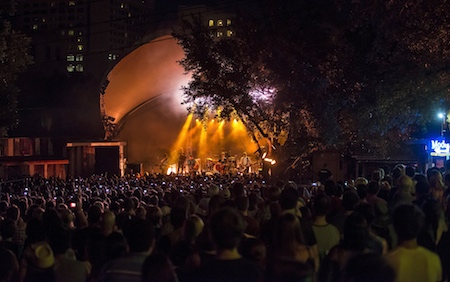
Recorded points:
(74, 44)
(76, 36)
(218, 18)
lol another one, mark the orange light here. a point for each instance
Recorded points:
(181, 140)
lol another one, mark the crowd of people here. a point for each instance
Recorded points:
(391, 226)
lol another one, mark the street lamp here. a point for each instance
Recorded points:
(442, 117)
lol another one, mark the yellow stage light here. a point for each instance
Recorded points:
(181, 140)
(203, 145)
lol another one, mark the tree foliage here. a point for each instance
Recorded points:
(359, 76)
(14, 59)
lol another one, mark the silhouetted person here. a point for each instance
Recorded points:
(410, 261)
(227, 228)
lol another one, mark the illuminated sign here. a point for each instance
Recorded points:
(439, 148)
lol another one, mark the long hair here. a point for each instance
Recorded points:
(435, 179)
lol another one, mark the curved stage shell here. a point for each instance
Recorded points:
(144, 97)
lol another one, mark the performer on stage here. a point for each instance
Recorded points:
(181, 160)
(223, 157)
(209, 164)
(223, 162)
(245, 163)
(192, 164)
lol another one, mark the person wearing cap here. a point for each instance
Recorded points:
(37, 263)
(324, 175)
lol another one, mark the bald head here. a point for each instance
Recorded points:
(108, 222)
(405, 184)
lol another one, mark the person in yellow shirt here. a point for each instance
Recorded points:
(412, 262)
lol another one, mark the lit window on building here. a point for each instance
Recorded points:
(211, 23)
(43, 20)
(79, 39)
(112, 57)
(228, 22)
(71, 3)
(129, 15)
(219, 23)
(122, 5)
(70, 57)
(80, 33)
(219, 34)
(79, 57)
(79, 68)
(71, 32)
(80, 47)
(34, 27)
(229, 33)
(70, 68)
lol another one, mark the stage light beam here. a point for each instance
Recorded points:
(181, 139)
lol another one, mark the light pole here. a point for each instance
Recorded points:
(442, 118)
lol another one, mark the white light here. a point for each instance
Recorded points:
(263, 94)
(440, 115)
(271, 161)
(172, 169)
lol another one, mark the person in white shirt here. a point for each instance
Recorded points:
(245, 163)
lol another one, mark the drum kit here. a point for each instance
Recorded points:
(219, 165)
(223, 167)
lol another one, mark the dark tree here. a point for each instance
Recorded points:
(359, 76)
